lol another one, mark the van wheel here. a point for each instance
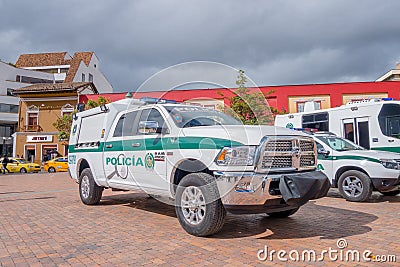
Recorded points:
(391, 193)
(89, 191)
(51, 169)
(355, 186)
(283, 214)
(198, 206)
(22, 170)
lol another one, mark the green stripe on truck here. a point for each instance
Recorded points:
(166, 143)
(348, 157)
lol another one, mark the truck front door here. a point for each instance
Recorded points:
(149, 147)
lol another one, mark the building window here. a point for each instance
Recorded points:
(90, 78)
(9, 92)
(8, 108)
(31, 80)
(67, 109)
(32, 117)
(83, 77)
(300, 105)
(6, 130)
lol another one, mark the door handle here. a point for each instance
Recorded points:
(391, 140)
(108, 145)
(136, 144)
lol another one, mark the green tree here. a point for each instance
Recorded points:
(63, 124)
(249, 106)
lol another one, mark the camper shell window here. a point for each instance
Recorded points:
(389, 120)
(318, 121)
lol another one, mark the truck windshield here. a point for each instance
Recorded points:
(339, 144)
(191, 116)
(389, 120)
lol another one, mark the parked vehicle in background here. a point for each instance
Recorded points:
(21, 165)
(56, 165)
(357, 171)
(372, 124)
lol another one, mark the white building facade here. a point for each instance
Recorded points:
(43, 68)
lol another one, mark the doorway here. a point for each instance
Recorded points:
(357, 131)
(30, 153)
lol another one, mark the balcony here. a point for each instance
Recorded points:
(31, 128)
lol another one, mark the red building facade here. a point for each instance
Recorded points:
(290, 98)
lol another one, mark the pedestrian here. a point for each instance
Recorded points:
(5, 162)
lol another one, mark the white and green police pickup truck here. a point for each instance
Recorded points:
(203, 160)
(357, 171)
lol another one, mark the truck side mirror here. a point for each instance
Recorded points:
(151, 127)
(322, 151)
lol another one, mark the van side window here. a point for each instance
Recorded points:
(126, 125)
(150, 120)
(318, 121)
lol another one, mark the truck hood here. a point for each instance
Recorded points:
(245, 134)
(369, 153)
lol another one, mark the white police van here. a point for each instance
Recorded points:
(357, 171)
(372, 124)
(205, 161)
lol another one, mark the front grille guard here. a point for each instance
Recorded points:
(297, 154)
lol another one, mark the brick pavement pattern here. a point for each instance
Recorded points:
(44, 223)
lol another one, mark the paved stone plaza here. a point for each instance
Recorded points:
(44, 223)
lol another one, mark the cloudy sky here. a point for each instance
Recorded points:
(275, 42)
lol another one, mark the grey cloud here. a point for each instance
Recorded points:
(275, 42)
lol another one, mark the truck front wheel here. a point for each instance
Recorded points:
(198, 206)
(355, 186)
(89, 191)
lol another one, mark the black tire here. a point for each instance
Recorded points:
(283, 214)
(22, 170)
(355, 186)
(89, 191)
(214, 212)
(391, 193)
(51, 169)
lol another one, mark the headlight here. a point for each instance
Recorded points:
(30, 166)
(390, 164)
(236, 156)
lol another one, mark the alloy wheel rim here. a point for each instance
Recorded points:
(193, 205)
(85, 187)
(353, 186)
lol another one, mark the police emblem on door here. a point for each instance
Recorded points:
(149, 161)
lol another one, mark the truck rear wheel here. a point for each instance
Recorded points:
(198, 206)
(283, 214)
(355, 186)
(89, 191)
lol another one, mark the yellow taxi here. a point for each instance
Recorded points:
(21, 165)
(56, 165)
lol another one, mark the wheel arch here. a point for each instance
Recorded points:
(81, 165)
(344, 169)
(183, 168)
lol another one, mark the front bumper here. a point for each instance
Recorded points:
(386, 184)
(249, 192)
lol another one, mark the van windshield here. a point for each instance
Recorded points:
(192, 116)
(389, 120)
(339, 144)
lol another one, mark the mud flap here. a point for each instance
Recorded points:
(298, 189)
